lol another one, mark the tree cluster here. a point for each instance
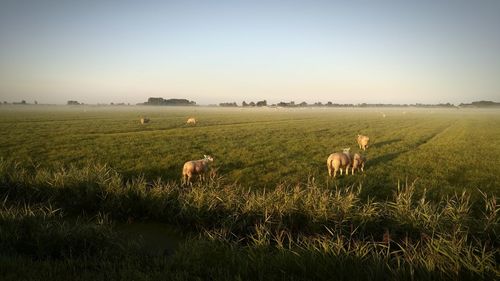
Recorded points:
(481, 104)
(162, 101)
(253, 104)
(228, 104)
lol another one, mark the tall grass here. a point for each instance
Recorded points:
(409, 233)
(41, 231)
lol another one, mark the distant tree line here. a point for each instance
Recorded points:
(22, 102)
(185, 102)
(252, 104)
(228, 104)
(162, 101)
(331, 104)
(481, 104)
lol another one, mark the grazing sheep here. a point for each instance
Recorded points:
(196, 167)
(358, 162)
(339, 161)
(191, 121)
(363, 141)
(144, 120)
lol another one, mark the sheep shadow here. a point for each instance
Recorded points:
(387, 142)
(384, 158)
(230, 166)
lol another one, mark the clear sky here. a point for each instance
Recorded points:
(101, 51)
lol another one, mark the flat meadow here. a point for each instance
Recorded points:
(424, 208)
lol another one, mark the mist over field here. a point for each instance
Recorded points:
(262, 147)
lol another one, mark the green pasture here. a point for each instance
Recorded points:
(444, 151)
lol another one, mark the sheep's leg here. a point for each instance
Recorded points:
(190, 178)
(329, 171)
(335, 173)
(347, 170)
(341, 171)
(352, 171)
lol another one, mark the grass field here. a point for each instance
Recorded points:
(425, 207)
(445, 150)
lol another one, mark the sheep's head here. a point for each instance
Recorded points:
(208, 158)
(346, 150)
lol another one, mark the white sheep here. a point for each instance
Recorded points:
(358, 162)
(362, 141)
(144, 120)
(339, 161)
(191, 121)
(196, 167)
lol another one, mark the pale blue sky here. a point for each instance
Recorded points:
(215, 51)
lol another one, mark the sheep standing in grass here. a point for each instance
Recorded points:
(191, 121)
(339, 161)
(363, 141)
(358, 162)
(144, 120)
(196, 167)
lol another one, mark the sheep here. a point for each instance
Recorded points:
(196, 167)
(191, 121)
(339, 161)
(363, 141)
(144, 120)
(358, 162)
